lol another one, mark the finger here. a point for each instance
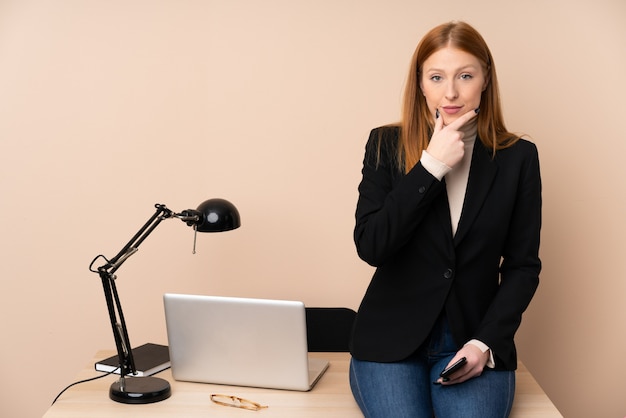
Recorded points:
(438, 121)
(458, 124)
(458, 377)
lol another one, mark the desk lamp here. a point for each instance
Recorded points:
(213, 215)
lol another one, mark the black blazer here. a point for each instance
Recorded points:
(483, 278)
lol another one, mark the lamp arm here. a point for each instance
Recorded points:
(114, 306)
(118, 325)
(162, 212)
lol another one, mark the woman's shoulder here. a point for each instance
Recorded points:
(526, 144)
(387, 136)
(521, 148)
(392, 130)
(382, 145)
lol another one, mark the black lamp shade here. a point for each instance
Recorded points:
(217, 215)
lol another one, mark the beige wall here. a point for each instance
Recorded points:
(108, 107)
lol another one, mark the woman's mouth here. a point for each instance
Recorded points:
(451, 110)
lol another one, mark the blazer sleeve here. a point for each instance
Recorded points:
(521, 265)
(391, 204)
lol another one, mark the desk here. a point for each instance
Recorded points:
(331, 397)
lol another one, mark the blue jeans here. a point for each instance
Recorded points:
(406, 389)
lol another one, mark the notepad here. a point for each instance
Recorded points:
(149, 359)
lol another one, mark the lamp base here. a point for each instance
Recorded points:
(140, 390)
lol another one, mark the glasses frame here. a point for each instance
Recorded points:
(236, 402)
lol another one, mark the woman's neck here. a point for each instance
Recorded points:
(469, 130)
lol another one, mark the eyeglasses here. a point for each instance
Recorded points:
(236, 402)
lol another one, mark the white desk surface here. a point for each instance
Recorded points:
(331, 397)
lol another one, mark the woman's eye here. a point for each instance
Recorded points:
(435, 78)
(466, 76)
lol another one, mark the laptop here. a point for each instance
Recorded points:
(240, 341)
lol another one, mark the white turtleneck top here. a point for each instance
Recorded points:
(456, 178)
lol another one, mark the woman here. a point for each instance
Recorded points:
(449, 213)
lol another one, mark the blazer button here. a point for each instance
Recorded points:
(448, 274)
(422, 189)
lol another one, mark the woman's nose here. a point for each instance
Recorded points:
(451, 91)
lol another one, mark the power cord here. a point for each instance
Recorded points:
(84, 381)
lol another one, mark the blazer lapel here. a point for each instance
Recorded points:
(482, 173)
(443, 209)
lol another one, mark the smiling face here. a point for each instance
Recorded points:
(452, 82)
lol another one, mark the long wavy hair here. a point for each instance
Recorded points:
(417, 123)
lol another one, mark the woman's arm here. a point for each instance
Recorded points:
(391, 204)
(521, 265)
